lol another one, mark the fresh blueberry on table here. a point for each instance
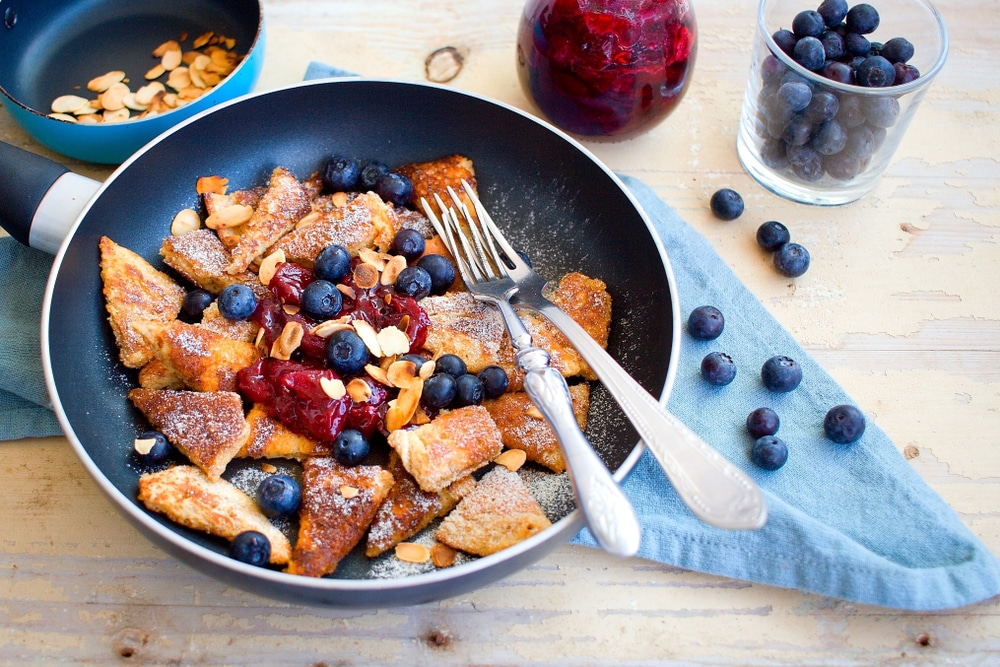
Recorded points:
(194, 305)
(772, 235)
(781, 373)
(762, 421)
(494, 380)
(340, 174)
(414, 281)
(769, 452)
(469, 390)
(394, 188)
(333, 263)
(791, 260)
(350, 447)
(321, 300)
(706, 323)
(251, 547)
(237, 303)
(152, 448)
(727, 204)
(844, 424)
(346, 353)
(452, 364)
(409, 243)
(278, 496)
(718, 368)
(862, 19)
(439, 390)
(441, 271)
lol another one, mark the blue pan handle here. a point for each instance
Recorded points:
(39, 199)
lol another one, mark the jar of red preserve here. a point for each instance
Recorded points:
(606, 68)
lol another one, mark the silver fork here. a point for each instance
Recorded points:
(714, 489)
(605, 507)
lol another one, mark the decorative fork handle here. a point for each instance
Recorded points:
(609, 514)
(714, 489)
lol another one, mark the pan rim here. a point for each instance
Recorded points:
(555, 535)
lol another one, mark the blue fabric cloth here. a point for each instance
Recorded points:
(848, 521)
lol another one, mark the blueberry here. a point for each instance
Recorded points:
(340, 174)
(237, 302)
(897, 50)
(439, 390)
(409, 243)
(762, 421)
(772, 235)
(394, 188)
(333, 263)
(832, 11)
(321, 300)
(441, 270)
(823, 106)
(799, 155)
(842, 166)
(718, 368)
(839, 72)
(881, 111)
(152, 447)
(785, 40)
(856, 45)
(798, 132)
(769, 452)
(808, 23)
(875, 72)
(791, 260)
(413, 281)
(833, 45)
(195, 303)
(862, 19)
(809, 53)
(796, 96)
(469, 390)
(727, 204)
(251, 547)
(370, 173)
(781, 373)
(350, 447)
(904, 73)
(851, 112)
(706, 323)
(451, 364)
(809, 170)
(494, 381)
(774, 154)
(771, 69)
(844, 424)
(346, 352)
(876, 49)
(860, 142)
(830, 138)
(278, 496)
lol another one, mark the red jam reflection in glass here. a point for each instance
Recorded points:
(606, 67)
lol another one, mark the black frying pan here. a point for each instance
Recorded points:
(550, 195)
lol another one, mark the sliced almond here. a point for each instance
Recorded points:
(288, 341)
(420, 417)
(291, 309)
(231, 216)
(131, 103)
(339, 199)
(155, 72)
(185, 221)
(330, 327)
(202, 39)
(366, 276)
(392, 342)
(511, 459)
(409, 399)
(214, 184)
(101, 83)
(269, 468)
(376, 373)
(533, 411)
(334, 388)
(367, 334)
(442, 555)
(348, 492)
(143, 445)
(179, 78)
(392, 269)
(69, 104)
(401, 373)
(196, 78)
(117, 116)
(411, 552)
(426, 369)
(172, 58)
(89, 119)
(347, 291)
(308, 219)
(269, 265)
(69, 118)
(369, 256)
(359, 390)
(162, 49)
(145, 95)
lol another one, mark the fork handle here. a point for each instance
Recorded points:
(609, 514)
(714, 489)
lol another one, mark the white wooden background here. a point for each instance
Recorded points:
(902, 309)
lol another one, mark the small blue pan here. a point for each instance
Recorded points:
(50, 48)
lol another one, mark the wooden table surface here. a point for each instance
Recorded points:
(900, 306)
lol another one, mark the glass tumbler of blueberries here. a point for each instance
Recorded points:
(831, 92)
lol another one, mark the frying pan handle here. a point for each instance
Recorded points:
(39, 199)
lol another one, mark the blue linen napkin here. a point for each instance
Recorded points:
(853, 522)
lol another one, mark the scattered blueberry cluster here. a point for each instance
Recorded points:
(810, 130)
(345, 174)
(842, 424)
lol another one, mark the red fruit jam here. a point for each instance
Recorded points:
(606, 67)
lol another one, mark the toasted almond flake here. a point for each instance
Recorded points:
(394, 418)
(330, 327)
(308, 219)
(170, 99)
(426, 369)
(420, 418)
(291, 309)
(339, 199)
(334, 388)
(365, 276)
(143, 445)
(213, 184)
(69, 118)
(348, 492)
(172, 59)
(347, 291)
(392, 341)
(269, 468)
(376, 373)
(359, 390)
(269, 265)
(442, 555)
(69, 103)
(512, 459)
(202, 39)
(170, 45)
(369, 256)
(288, 341)
(147, 93)
(260, 337)
(101, 83)
(401, 373)
(230, 42)
(404, 321)
(185, 221)
(89, 118)
(196, 80)
(411, 552)
(533, 411)
(113, 98)
(231, 216)
(368, 335)
(392, 269)
(179, 78)
(188, 94)
(155, 72)
(117, 116)
(409, 400)
(130, 102)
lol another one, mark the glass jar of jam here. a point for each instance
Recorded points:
(606, 68)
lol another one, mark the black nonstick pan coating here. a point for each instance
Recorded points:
(554, 200)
